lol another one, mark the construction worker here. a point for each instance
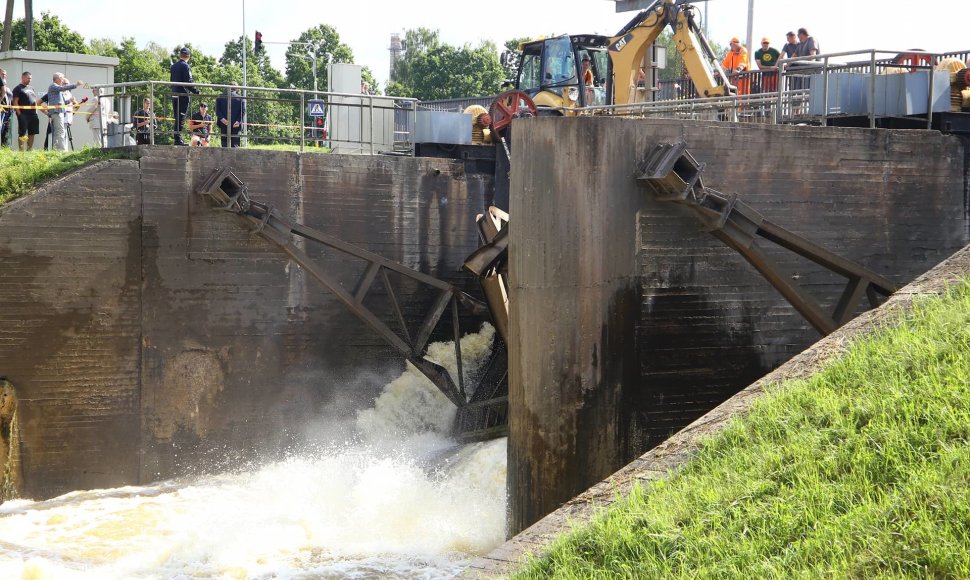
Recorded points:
(735, 62)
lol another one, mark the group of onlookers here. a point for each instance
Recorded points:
(61, 106)
(736, 59)
(58, 104)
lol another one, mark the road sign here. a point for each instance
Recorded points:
(315, 108)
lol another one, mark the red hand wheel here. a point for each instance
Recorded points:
(510, 105)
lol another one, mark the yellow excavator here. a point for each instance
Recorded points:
(552, 71)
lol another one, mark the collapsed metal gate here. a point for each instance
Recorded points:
(673, 175)
(668, 170)
(483, 406)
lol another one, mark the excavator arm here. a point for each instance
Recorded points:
(630, 44)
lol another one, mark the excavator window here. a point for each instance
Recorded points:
(559, 62)
(530, 72)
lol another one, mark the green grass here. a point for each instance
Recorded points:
(21, 172)
(861, 471)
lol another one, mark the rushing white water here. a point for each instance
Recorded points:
(371, 510)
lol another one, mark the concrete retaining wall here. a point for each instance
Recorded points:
(628, 321)
(149, 336)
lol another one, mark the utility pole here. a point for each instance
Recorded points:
(242, 46)
(750, 40)
(28, 22)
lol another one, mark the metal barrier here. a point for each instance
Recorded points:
(808, 90)
(351, 122)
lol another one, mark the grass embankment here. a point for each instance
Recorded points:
(21, 172)
(861, 471)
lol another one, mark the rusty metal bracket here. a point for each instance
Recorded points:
(673, 175)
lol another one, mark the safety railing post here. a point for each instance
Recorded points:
(929, 94)
(302, 119)
(413, 127)
(872, 89)
(825, 91)
(151, 122)
(781, 92)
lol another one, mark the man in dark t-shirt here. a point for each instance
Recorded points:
(28, 123)
(767, 59)
(199, 125)
(791, 44)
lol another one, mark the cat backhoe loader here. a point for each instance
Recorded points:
(551, 71)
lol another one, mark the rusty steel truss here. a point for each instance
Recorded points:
(481, 410)
(674, 175)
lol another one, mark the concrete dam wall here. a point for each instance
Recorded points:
(148, 335)
(628, 320)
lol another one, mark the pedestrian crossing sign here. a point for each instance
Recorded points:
(315, 108)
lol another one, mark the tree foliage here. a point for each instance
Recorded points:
(512, 57)
(430, 70)
(50, 34)
(322, 41)
(137, 64)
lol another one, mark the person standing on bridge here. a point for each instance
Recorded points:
(230, 110)
(6, 98)
(806, 44)
(181, 73)
(25, 106)
(736, 62)
(791, 45)
(767, 59)
(57, 94)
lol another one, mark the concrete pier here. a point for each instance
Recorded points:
(628, 321)
(148, 335)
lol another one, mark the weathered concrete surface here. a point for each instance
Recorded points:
(628, 321)
(149, 335)
(677, 450)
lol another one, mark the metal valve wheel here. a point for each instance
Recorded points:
(510, 105)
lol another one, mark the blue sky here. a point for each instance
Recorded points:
(366, 26)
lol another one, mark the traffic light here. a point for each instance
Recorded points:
(258, 46)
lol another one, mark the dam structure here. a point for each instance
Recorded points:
(148, 336)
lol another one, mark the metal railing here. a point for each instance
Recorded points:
(811, 90)
(352, 122)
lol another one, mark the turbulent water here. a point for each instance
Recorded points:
(402, 502)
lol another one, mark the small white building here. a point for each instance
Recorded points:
(92, 69)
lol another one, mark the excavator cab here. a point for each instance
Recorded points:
(551, 72)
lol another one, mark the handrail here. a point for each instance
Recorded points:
(368, 105)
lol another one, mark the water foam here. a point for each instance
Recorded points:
(369, 510)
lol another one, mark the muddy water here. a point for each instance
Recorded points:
(400, 501)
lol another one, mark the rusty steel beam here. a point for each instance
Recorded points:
(231, 195)
(674, 175)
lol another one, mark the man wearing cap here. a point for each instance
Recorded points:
(736, 61)
(199, 124)
(181, 73)
(767, 59)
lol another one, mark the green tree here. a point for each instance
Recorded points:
(432, 71)
(50, 34)
(512, 56)
(103, 47)
(417, 43)
(271, 115)
(258, 66)
(326, 46)
(136, 64)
